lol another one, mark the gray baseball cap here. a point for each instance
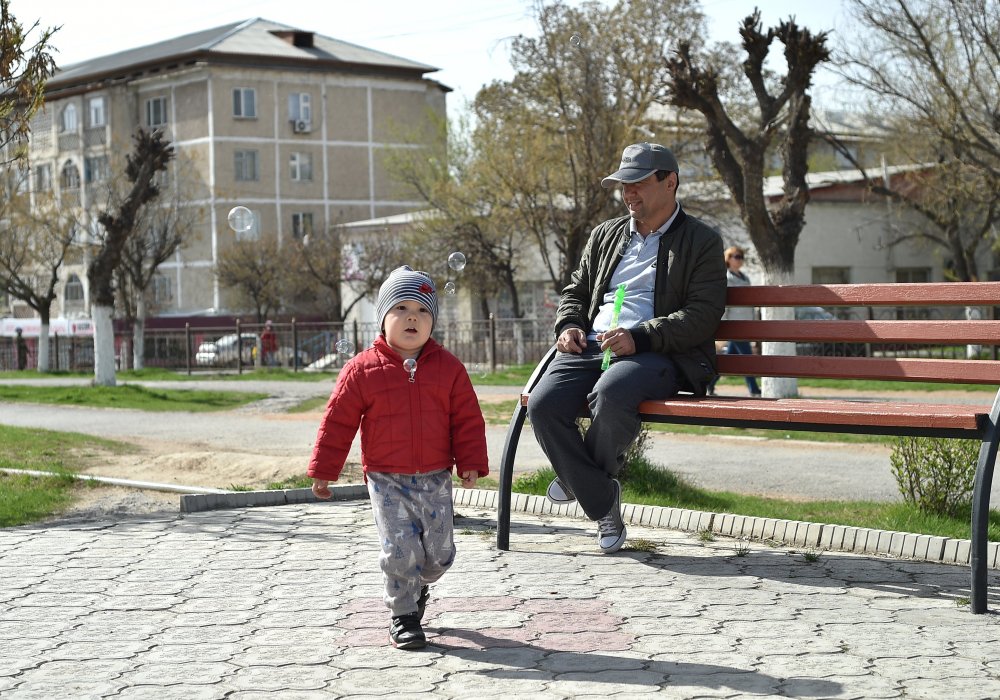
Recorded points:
(639, 161)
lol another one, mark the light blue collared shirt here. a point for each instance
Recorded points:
(637, 269)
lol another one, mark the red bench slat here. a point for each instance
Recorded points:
(827, 411)
(984, 332)
(889, 369)
(888, 294)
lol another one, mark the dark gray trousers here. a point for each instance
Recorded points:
(586, 464)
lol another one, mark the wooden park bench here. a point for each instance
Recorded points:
(884, 417)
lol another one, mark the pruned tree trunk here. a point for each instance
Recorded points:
(42, 356)
(150, 156)
(104, 344)
(778, 387)
(739, 148)
(139, 333)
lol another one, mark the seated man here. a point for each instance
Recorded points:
(672, 265)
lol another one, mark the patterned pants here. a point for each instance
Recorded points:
(415, 519)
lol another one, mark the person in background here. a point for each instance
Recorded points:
(419, 418)
(675, 293)
(269, 345)
(735, 277)
(22, 350)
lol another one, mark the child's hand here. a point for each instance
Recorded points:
(469, 479)
(321, 489)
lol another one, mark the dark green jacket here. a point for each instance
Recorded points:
(689, 294)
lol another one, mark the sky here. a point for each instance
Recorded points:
(468, 41)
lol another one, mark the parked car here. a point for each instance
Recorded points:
(222, 352)
(818, 313)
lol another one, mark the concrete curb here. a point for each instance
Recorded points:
(814, 536)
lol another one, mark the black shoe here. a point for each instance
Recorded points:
(406, 632)
(425, 595)
(611, 529)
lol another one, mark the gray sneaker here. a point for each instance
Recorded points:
(559, 494)
(611, 529)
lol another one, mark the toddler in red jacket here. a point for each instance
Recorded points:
(419, 418)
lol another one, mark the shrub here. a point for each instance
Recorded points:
(935, 474)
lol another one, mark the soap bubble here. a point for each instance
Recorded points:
(456, 261)
(410, 365)
(345, 347)
(576, 40)
(240, 219)
(449, 287)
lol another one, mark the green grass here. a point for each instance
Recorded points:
(646, 484)
(129, 396)
(317, 403)
(156, 374)
(25, 499)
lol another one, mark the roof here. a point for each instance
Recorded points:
(249, 38)
(774, 186)
(407, 218)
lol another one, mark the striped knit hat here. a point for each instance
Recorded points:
(406, 284)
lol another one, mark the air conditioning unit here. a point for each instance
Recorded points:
(301, 127)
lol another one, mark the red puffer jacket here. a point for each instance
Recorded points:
(430, 424)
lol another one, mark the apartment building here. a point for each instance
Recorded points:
(292, 124)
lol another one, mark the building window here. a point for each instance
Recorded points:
(253, 233)
(70, 177)
(43, 178)
(913, 274)
(95, 169)
(245, 103)
(246, 166)
(74, 289)
(831, 275)
(300, 111)
(302, 224)
(163, 290)
(96, 107)
(301, 166)
(69, 118)
(156, 111)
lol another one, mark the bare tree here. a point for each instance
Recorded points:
(738, 138)
(584, 88)
(163, 226)
(150, 155)
(738, 144)
(316, 284)
(931, 70)
(34, 244)
(24, 69)
(256, 271)
(468, 213)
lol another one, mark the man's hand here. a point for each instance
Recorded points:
(321, 489)
(619, 340)
(469, 479)
(573, 340)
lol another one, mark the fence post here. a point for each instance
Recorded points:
(187, 346)
(295, 346)
(357, 339)
(493, 343)
(55, 362)
(239, 349)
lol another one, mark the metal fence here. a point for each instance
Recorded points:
(484, 346)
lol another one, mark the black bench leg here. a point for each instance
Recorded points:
(507, 475)
(981, 510)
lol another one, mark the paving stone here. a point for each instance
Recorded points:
(235, 603)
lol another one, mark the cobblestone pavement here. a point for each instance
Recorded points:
(285, 602)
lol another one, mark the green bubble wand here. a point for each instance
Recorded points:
(619, 298)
